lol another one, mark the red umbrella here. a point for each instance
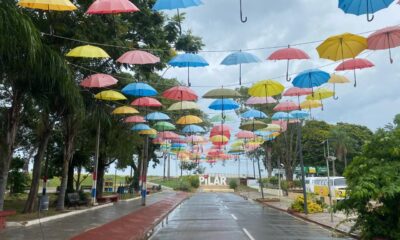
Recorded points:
(138, 57)
(146, 102)
(286, 106)
(167, 135)
(135, 119)
(288, 54)
(385, 38)
(180, 93)
(221, 129)
(297, 92)
(245, 135)
(111, 7)
(98, 80)
(260, 100)
(353, 64)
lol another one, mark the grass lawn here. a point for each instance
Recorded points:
(55, 181)
(172, 182)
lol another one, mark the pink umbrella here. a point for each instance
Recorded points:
(180, 93)
(98, 80)
(178, 140)
(288, 54)
(260, 100)
(167, 135)
(286, 106)
(353, 64)
(138, 57)
(385, 38)
(297, 92)
(134, 119)
(221, 129)
(245, 135)
(146, 102)
(111, 7)
(282, 123)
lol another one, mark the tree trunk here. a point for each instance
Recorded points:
(288, 172)
(70, 181)
(333, 168)
(37, 163)
(7, 142)
(100, 176)
(78, 178)
(268, 155)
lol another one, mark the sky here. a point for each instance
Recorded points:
(372, 103)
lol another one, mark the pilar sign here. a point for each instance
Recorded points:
(217, 180)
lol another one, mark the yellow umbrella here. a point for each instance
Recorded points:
(266, 88)
(54, 5)
(309, 104)
(125, 110)
(238, 143)
(219, 139)
(110, 95)
(183, 105)
(342, 46)
(320, 93)
(335, 78)
(150, 131)
(189, 119)
(88, 51)
(272, 128)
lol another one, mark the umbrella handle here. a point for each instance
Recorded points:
(368, 18)
(334, 92)
(243, 20)
(288, 79)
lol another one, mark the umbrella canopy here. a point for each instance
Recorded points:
(180, 93)
(125, 110)
(282, 116)
(98, 80)
(309, 104)
(139, 90)
(188, 60)
(218, 118)
(311, 78)
(48, 5)
(260, 100)
(140, 127)
(110, 95)
(386, 38)
(252, 113)
(360, 7)
(164, 126)
(111, 7)
(167, 135)
(138, 57)
(159, 140)
(272, 128)
(222, 93)
(353, 64)
(245, 135)
(335, 78)
(195, 139)
(148, 132)
(224, 104)
(266, 88)
(297, 92)
(239, 58)
(183, 105)
(157, 116)
(175, 4)
(189, 119)
(299, 114)
(219, 140)
(135, 119)
(146, 102)
(193, 129)
(342, 46)
(221, 129)
(286, 106)
(252, 125)
(320, 93)
(88, 51)
(288, 54)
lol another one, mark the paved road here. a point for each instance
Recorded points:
(70, 226)
(220, 216)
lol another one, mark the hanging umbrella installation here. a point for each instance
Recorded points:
(139, 90)
(135, 119)
(190, 129)
(188, 60)
(189, 119)
(342, 46)
(111, 7)
(164, 126)
(310, 104)
(252, 113)
(310, 79)
(266, 88)
(353, 64)
(319, 94)
(239, 58)
(260, 100)
(221, 129)
(98, 80)
(222, 93)
(124, 110)
(297, 92)
(218, 119)
(87, 51)
(335, 79)
(386, 38)
(138, 57)
(183, 105)
(253, 125)
(180, 93)
(110, 95)
(286, 106)
(361, 7)
(157, 116)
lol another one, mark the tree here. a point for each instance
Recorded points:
(342, 144)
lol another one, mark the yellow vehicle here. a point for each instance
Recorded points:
(319, 186)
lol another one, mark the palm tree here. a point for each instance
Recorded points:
(342, 143)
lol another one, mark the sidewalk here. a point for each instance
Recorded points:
(324, 219)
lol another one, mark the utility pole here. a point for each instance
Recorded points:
(327, 157)
(303, 177)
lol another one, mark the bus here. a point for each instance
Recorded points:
(319, 186)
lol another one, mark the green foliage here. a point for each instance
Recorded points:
(312, 205)
(183, 186)
(233, 184)
(18, 180)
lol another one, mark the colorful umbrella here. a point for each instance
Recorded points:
(48, 5)
(138, 57)
(188, 60)
(335, 78)
(319, 94)
(146, 102)
(297, 92)
(111, 7)
(288, 54)
(260, 100)
(282, 116)
(223, 104)
(353, 64)
(286, 106)
(245, 135)
(110, 95)
(310, 104)
(98, 80)
(385, 38)
(239, 58)
(88, 51)
(299, 114)
(342, 46)
(195, 139)
(139, 90)
(252, 125)
(167, 135)
(189, 119)
(219, 140)
(183, 105)
(140, 127)
(193, 129)
(218, 118)
(360, 7)
(221, 129)
(311, 78)
(135, 119)
(266, 88)
(164, 126)
(157, 116)
(272, 128)
(252, 113)
(180, 93)
(222, 93)
(125, 110)
(148, 132)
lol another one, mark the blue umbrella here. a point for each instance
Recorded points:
(188, 60)
(360, 7)
(193, 129)
(224, 104)
(252, 113)
(282, 116)
(299, 114)
(139, 90)
(157, 116)
(140, 127)
(265, 134)
(311, 78)
(240, 58)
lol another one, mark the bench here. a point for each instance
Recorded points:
(74, 200)
(106, 199)
(3, 215)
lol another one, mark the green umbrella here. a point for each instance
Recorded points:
(164, 126)
(222, 93)
(218, 118)
(183, 105)
(253, 125)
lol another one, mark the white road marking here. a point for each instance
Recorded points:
(234, 217)
(248, 234)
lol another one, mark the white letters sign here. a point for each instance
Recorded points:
(217, 180)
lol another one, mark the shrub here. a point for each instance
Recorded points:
(273, 181)
(183, 186)
(193, 180)
(233, 184)
(312, 205)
